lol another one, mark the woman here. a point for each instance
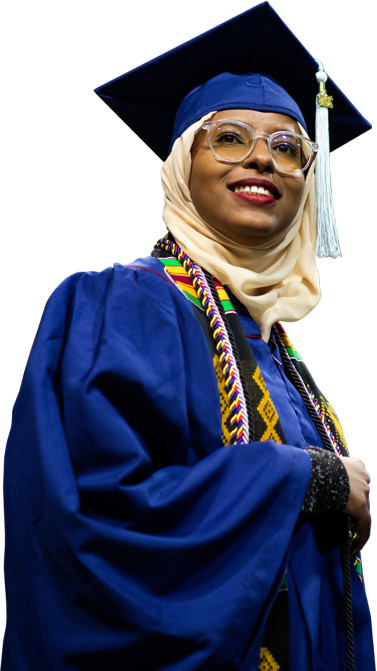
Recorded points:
(162, 524)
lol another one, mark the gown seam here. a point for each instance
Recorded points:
(150, 270)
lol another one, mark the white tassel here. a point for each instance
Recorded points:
(327, 234)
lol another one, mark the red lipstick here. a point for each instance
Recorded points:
(255, 198)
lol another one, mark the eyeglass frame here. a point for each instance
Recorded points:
(314, 147)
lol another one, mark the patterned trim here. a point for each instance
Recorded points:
(293, 353)
(180, 276)
(267, 661)
(266, 420)
(178, 273)
(225, 300)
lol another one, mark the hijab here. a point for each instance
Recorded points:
(275, 281)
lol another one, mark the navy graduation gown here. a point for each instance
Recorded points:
(134, 539)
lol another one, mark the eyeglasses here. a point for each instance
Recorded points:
(233, 141)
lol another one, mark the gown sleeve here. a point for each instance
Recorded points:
(134, 539)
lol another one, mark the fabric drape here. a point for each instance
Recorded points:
(133, 537)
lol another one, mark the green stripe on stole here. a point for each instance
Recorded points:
(178, 273)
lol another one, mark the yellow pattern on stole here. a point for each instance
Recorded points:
(267, 661)
(266, 409)
(330, 414)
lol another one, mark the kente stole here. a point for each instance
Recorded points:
(247, 410)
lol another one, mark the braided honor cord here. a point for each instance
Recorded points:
(220, 307)
(239, 416)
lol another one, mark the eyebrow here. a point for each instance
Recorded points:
(277, 128)
(287, 130)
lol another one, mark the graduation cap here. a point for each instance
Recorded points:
(255, 42)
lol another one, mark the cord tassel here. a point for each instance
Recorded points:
(327, 234)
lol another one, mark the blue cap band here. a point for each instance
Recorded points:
(227, 91)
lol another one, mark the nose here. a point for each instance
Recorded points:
(260, 154)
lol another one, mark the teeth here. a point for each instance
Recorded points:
(253, 189)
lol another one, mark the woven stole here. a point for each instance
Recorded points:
(263, 419)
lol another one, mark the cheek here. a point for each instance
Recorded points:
(295, 194)
(203, 185)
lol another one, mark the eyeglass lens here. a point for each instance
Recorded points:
(232, 142)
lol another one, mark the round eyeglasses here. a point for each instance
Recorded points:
(233, 141)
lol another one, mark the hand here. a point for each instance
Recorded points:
(358, 502)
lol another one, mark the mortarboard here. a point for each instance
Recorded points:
(251, 61)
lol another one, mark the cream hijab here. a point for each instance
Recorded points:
(276, 281)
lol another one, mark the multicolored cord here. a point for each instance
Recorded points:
(238, 408)
(324, 422)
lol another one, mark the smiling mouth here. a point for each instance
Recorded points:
(254, 189)
(266, 193)
(255, 198)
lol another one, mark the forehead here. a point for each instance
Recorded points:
(268, 122)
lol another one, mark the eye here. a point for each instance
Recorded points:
(286, 148)
(228, 138)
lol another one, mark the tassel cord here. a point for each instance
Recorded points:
(327, 240)
(327, 235)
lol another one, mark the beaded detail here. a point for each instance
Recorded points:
(329, 486)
